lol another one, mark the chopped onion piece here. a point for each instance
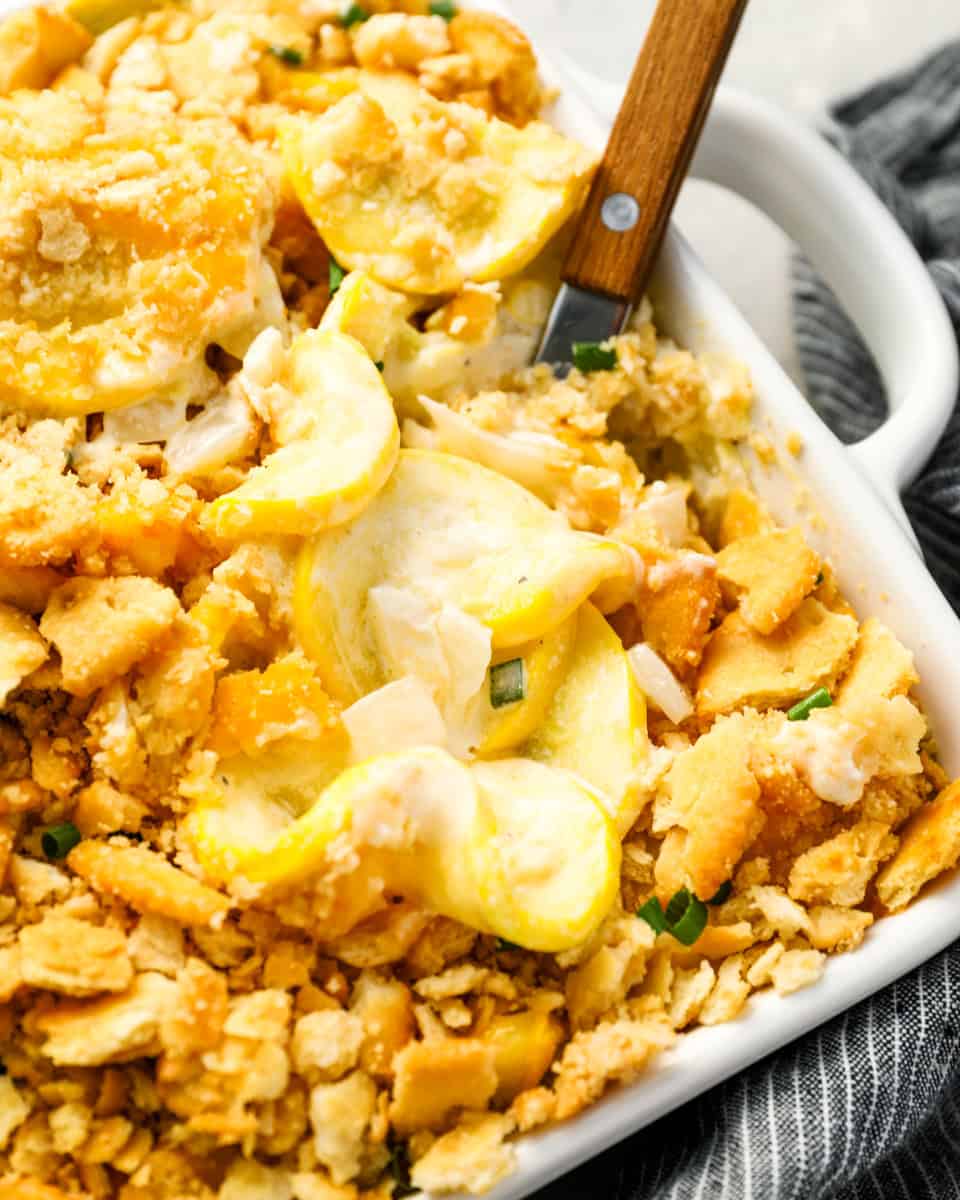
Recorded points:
(659, 683)
(537, 462)
(665, 504)
(222, 433)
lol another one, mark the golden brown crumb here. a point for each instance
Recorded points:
(930, 844)
(775, 571)
(101, 627)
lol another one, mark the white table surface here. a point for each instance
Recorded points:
(799, 53)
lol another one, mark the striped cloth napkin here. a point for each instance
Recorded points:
(868, 1106)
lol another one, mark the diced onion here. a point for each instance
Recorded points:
(659, 683)
(666, 506)
(223, 432)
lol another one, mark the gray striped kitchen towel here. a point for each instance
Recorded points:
(868, 1106)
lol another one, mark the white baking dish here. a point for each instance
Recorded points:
(851, 511)
(848, 501)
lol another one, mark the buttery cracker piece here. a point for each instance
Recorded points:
(743, 517)
(399, 42)
(75, 958)
(11, 977)
(602, 981)
(435, 1077)
(729, 993)
(28, 588)
(156, 944)
(836, 929)
(101, 627)
(930, 844)
(743, 668)
(796, 969)
(46, 517)
(147, 882)
(116, 1029)
(503, 60)
(713, 804)
(340, 1114)
(839, 870)
(676, 606)
(14, 1110)
(881, 666)
(22, 649)
(101, 809)
(689, 994)
(246, 1180)
(774, 571)
(35, 44)
(385, 1008)
(760, 971)
(615, 1052)
(532, 1108)
(326, 1044)
(35, 882)
(471, 1158)
(716, 941)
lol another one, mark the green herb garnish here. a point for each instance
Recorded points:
(443, 8)
(59, 840)
(722, 894)
(819, 579)
(685, 917)
(287, 54)
(337, 276)
(354, 15)
(379, 365)
(592, 356)
(503, 946)
(821, 698)
(508, 683)
(652, 913)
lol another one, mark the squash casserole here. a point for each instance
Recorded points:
(400, 746)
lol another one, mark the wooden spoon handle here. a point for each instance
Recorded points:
(656, 132)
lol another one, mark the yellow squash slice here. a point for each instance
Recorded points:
(544, 663)
(338, 439)
(460, 535)
(512, 848)
(597, 723)
(414, 362)
(491, 199)
(130, 251)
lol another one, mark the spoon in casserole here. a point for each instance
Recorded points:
(618, 235)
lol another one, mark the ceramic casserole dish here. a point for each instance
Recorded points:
(847, 499)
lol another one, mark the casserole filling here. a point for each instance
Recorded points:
(399, 746)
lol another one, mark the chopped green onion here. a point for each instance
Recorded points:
(819, 579)
(503, 945)
(821, 698)
(686, 916)
(592, 356)
(287, 54)
(379, 365)
(508, 683)
(722, 894)
(337, 276)
(443, 8)
(59, 840)
(354, 15)
(652, 913)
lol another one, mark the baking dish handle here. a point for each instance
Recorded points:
(789, 172)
